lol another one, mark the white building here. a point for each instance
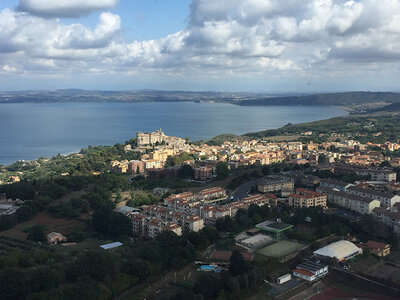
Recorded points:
(335, 184)
(386, 199)
(310, 270)
(378, 174)
(359, 204)
(341, 250)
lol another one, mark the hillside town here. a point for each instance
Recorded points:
(343, 156)
(376, 195)
(316, 212)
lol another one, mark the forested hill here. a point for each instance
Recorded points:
(394, 107)
(336, 99)
(348, 99)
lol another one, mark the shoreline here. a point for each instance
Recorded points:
(241, 135)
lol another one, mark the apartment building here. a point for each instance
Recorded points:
(386, 199)
(307, 198)
(135, 167)
(389, 217)
(335, 184)
(153, 163)
(378, 174)
(203, 173)
(356, 203)
(260, 200)
(211, 193)
(151, 227)
(276, 184)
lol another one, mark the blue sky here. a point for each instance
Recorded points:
(141, 19)
(222, 45)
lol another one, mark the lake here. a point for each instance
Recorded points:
(29, 131)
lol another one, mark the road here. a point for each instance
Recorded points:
(243, 190)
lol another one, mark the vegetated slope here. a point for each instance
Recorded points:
(388, 108)
(369, 127)
(347, 98)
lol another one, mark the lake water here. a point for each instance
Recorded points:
(29, 131)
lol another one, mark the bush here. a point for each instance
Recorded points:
(36, 233)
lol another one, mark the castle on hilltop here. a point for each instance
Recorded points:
(150, 138)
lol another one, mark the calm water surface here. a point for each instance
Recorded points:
(29, 131)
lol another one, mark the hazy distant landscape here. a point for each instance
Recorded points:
(357, 101)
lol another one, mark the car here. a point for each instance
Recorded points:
(344, 265)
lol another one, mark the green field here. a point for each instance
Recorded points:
(280, 249)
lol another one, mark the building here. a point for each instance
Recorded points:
(155, 227)
(379, 249)
(386, 199)
(378, 174)
(135, 167)
(274, 228)
(153, 163)
(283, 278)
(359, 204)
(203, 173)
(341, 250)
(310, 270)
(150, 138)
(261, 200)
(283, 185)
(55, 237)
(158, 173)
(335, 184)
(13, 179)
(389, 217)
(211, 193)
(193, 223)
(307, 198)
(111, 246)
(7, 208)
(255, 242)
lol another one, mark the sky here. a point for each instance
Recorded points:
(220, 45)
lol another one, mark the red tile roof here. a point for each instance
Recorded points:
(303, 272)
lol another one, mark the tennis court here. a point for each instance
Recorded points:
(280, 249)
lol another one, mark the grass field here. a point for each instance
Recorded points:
(280, 249)
(62, 225)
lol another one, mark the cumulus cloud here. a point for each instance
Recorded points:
(222, 38)
(64, 8)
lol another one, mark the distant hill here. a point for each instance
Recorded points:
(388, 108)
(76, 95)
(336, 99)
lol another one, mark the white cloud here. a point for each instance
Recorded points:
(224, 38)
(64, 8)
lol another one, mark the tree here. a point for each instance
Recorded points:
(94, 263)
(36, 233)
(322, 159)
(25, 213)
(13, 284)
(186, 172)
(86, 289)
(237, 263)
(222, 170)
(42, 278)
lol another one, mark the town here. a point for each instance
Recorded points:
(314, 215)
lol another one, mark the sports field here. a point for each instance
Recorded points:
(280, 249)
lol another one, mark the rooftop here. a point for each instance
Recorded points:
(111, 245)
(274, 226)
